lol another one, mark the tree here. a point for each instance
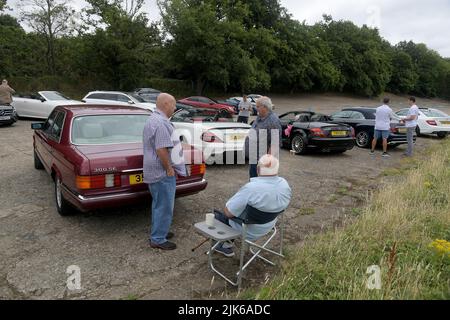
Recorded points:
(123, 46)
(2, 4)
(360, 55)
(404, 76)
(427, 64)
(49, 19)
(208, 44)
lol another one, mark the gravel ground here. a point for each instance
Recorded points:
(110, 247)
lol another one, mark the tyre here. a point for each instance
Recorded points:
(442, 135)
(298, 144)
(418, 131)
(37, 162)
(363, 139)
(62, 205)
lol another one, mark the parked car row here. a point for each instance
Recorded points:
(94, 152)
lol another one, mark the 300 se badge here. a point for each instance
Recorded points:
(103, 170)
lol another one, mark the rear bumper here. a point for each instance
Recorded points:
(332, 143)
(87, 203)
(434, 129)
(396, 139)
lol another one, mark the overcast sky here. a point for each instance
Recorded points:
(421, 21)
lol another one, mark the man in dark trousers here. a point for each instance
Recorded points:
(265, 135)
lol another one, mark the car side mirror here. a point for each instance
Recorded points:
(130, 102)
(42, 99)
(37, 126)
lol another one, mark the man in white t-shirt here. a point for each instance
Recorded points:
(411, 124)
(383, 118)
(244, 110)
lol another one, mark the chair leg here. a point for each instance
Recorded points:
(241, 262)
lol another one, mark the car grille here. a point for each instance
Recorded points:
(5, 112)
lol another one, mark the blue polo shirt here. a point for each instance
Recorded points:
(267, 194)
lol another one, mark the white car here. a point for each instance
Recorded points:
(431, 121)
(41, 104)
(213, 132)
(118, 98)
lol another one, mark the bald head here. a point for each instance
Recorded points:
(166, 103)
(268, 166)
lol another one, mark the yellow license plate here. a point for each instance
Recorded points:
(338, 133)
(445, 122)
(236, 137)
(136, 179)
(402, 130)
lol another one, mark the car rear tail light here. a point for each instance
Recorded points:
(394, 130)
(98, 182)
(210, 137)
(318, 132)
(432, 122)
(196, 169)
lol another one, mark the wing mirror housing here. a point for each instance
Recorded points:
(37, 126)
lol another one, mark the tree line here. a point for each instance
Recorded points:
(210, 45)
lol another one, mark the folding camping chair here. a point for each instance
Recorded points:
(221, 233)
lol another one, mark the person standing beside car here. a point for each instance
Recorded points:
(264, 136)
(383, 117)
(6, 93)
(244, 110)
(411, 123)
(163, 159)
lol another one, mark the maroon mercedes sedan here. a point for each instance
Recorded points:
(94, 155)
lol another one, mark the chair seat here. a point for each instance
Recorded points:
(220, 231)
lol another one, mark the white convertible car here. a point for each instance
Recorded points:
(41, 104)
(212, 131)
(431, 121)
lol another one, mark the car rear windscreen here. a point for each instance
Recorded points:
(433, 113)
(108, 129)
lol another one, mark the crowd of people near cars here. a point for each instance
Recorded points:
(164, 157)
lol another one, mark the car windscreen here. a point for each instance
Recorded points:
(108, 129)
(192, 114)
(433, 113)
(53, 96)
(137, 97)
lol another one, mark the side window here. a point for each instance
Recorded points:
(94, 96)
(357, 115)
(122, 98)
(289, 117)
(342, 114)
(193, 99)
(110, 96)
(50, 121)
(58, 125)
(402, 113)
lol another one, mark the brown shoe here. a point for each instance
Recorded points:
(164, 246)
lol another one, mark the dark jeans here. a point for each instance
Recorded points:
(242, 119)
(253, 171)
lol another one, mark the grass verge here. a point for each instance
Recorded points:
(404, 232)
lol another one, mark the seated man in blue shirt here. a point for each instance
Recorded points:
(268, 193)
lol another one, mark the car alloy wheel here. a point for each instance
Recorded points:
(362, 139)
(298, 144)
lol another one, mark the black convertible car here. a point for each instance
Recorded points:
(362, 119)
(307, 130)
